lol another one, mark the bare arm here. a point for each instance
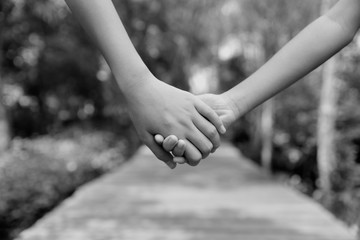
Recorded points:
(154, 106)
(101, 22)
(310, 48)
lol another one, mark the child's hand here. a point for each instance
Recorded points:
(223, 107)
(174, 145)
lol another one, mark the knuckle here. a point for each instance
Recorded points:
(167, 121)
(185, 122)
(213, 132)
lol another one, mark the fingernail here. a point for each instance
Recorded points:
(179, 160)
(159, 139)
(222, 129)
(181, 142)
(171, 164)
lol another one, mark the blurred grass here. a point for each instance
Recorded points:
(37, 174)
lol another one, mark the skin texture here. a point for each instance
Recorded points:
(154, 106)
(316, 43)
(223, 108)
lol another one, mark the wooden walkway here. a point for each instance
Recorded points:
(224, 198)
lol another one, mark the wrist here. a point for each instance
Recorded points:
(132, 82)
(232, 101)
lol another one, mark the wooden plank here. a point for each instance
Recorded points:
(225, 197)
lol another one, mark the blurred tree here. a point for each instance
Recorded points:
(344, 197)
(172, 36)
(4, 127)
(327, 118)
(156, 41)
(46, 83)
(271, 24)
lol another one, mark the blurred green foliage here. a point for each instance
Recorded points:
(37, 174)
(262, 27)
(45, 83)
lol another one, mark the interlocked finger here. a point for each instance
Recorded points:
(170, 143)
(201, 142)
(179, 149)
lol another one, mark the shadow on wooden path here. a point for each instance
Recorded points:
(224, 198)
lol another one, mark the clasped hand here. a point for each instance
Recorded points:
(158, 109)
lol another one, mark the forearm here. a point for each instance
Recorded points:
(309, 49)
(101, 21)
